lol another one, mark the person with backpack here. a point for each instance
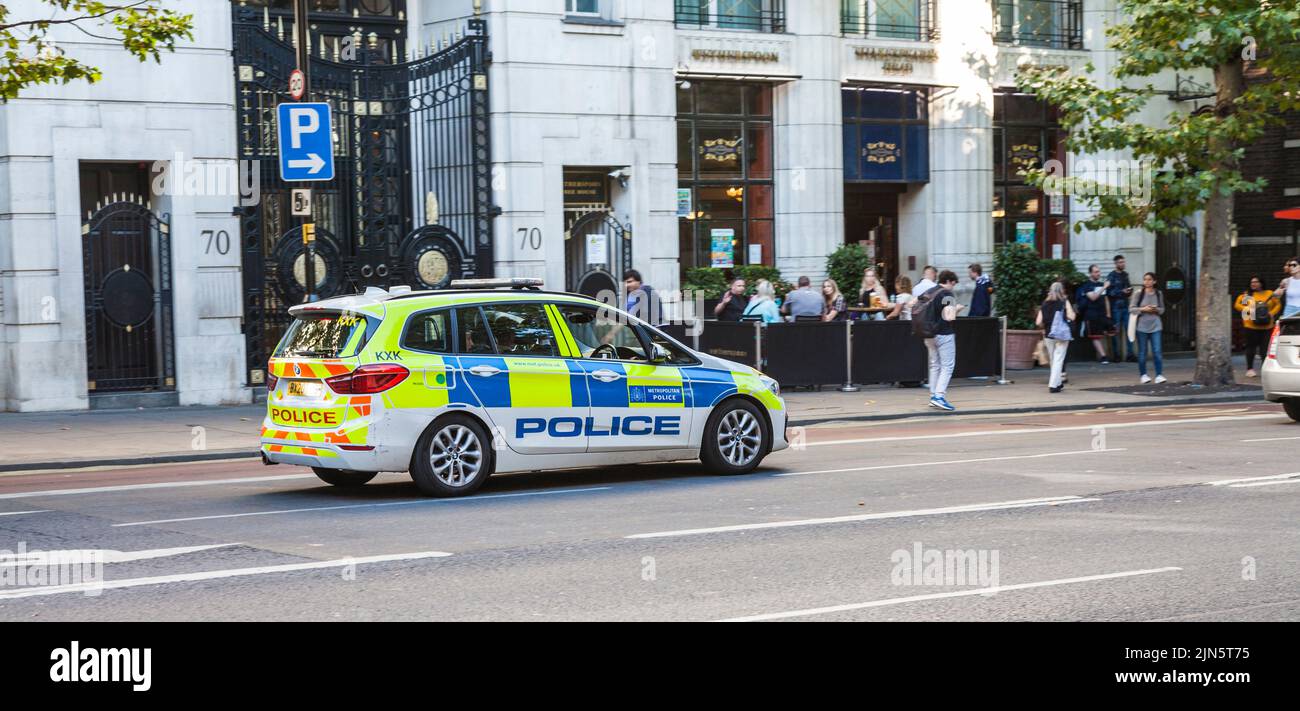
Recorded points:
(1259, 308)
(932, 315)
(1146, 309)
(1054, 317)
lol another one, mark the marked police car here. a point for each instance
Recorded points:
(498, 376)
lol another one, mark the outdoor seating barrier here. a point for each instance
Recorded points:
(846, 353)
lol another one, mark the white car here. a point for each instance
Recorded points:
(456, 385)
(1281, 372)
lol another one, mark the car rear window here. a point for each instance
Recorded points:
(326, 334)
(1291, 327)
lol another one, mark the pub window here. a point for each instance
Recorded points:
(725, 176)
(893, 19)
(1027, 132)
(755, 15)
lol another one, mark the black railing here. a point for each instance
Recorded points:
(889, 19)
(1057, 24)
(752, 15)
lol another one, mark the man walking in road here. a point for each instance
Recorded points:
(942, 310)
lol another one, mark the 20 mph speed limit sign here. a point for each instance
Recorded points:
(297, 84)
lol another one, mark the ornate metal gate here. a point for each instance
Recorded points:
(127, 267)
(1176, 266)
(597, 249)
(411, 200)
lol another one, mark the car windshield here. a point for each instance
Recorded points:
(325, 334)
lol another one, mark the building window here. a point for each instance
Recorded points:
(886, 134)
(1027, 132)
(725, 178)
(589, 8)
(891, 19)
(1039, 23)
(754, 15)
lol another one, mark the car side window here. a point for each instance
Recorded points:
(676, 354)
(599, 333)
(521, 329)
(472, 332)
(429, 331)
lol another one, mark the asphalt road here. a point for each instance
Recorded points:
(1032, 517)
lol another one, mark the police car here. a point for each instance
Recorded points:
(494, 376)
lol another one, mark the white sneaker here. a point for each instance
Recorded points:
(1146, 379)
(1251, 374)
(1161, 379)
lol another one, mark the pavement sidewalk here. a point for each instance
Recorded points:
(59, 440)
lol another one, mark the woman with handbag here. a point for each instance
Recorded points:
(1259, 308)
(1145, 311)
(1054, 317)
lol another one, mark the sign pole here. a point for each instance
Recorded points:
(302, 30)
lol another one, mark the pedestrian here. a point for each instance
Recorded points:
(1119, 292)
(981, 301)
(803, 301)
(1259, 309)
(1149, 304)
(1054, 317)
(764, 303)
(942, 311)
(902, 299)
(1291, 287)
(872, 293)
(1094, 311)
(835, 305)
(642, 301)
(732, 305)
(928, 275)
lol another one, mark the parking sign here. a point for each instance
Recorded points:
(306, 142)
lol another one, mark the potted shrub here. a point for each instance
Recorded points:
(708, 281)
(845, 265)
(1019, 275)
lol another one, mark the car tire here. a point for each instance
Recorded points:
(453, 457)
(1292, 407)
(343, 477)
(736, 438)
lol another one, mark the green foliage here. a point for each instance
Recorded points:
(1017, 271)
(1050, 270)
(1195, 155)
(845, 265)
(705, 279)
(752, 273)
(30, 57)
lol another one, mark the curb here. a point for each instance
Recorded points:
(130, 461)
(1207, 399)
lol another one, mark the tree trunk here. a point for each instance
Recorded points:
(1213, 298)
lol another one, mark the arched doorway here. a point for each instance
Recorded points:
(597, 249)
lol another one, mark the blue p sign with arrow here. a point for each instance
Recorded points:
(306, 142)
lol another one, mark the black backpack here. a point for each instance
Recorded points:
(1262, 316)
(926, 311)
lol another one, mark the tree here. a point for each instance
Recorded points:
(1195, 156)
(30, 57)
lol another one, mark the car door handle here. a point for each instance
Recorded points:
(605, 376)
(484, 371)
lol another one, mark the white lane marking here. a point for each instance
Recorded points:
(104, 555)
(1023, 503)
(1040, 430)
(1270, 439)
(941, 596)
(1225, 482)
(118, 467)
(361, 506)
(214, 575)
(20, 513)
(1265, 483)
(155, 485)
(951, 461)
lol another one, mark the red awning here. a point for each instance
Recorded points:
(1291, 214)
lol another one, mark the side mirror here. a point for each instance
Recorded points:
(659, 354)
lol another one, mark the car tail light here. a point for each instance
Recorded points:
(368, 379)
(1272, 342)
(271, 380)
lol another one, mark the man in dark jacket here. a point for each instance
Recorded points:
(981, 301)
(1119, 293)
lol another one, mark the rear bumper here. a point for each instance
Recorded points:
(1279, 383)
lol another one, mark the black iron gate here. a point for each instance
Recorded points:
(596, 251)
(126, 255)
(411, 201)
(1176, 267)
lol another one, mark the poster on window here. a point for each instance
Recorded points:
(723, 256)
(684, 202)
(1025, 233)
(597, 248)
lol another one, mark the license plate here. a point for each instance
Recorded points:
(304, 389)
